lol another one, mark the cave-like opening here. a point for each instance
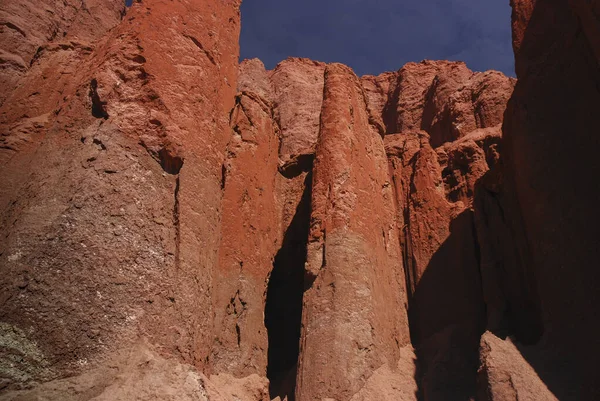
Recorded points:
(283, 309)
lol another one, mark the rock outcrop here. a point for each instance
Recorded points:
(505, 374)
(353, 263)
(178, 225)
(32, 29)
(550, 206)
(111, 191)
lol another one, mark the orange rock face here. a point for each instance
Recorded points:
(250, 217)
(353, 264)
(178, 224)
(113, 181)
(32, 29)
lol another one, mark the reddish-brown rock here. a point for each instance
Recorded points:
(298, 93)
(446, 308)
(479, 103)
(294, 234)
(377, 93)
(354, 317)
(250, 234)
(505, 375)
(550, 201)
(30, 29)
(112, 197)
(445, 99)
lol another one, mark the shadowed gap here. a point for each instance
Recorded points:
(447, 317)
(283, 309)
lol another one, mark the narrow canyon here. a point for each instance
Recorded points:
(179, 225)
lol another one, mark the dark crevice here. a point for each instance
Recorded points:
(139, 59)
(15, 28)
(223, 175)
(99, 143)
(408, 255)
(170, 163)
(283, 309)
(238, 333)
(390, 110)
(296, 165)
(98, 106)
(168, 158)
(199, 46)
(521, 316)
(176, 222)
(447, 316)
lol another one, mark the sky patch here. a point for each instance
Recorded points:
(373, 36)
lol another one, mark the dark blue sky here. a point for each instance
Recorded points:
(373, 36)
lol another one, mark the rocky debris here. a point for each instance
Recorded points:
(140, 373)
(504, 374)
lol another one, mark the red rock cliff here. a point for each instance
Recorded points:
(177, 225)
(112, 150)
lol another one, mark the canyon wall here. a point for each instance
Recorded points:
(113, 141)
(552, 116)
(178, 225)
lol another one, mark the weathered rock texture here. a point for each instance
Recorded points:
(249, 213)
(354, 316)
(112, 181)
(367, 275)
(551, 205)
(505, 374)
(176, 225)
(30, 29)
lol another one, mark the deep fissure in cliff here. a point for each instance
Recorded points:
(283, 309)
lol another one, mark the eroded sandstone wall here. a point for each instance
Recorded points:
(552, 116)
(353, 261)
(171, 230)
(113, 142)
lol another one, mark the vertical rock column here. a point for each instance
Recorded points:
(250, 233)
(354, 313)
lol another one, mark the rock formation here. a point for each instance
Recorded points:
(551, 207)
(111, 193)
(178, 225)
(353, 267)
